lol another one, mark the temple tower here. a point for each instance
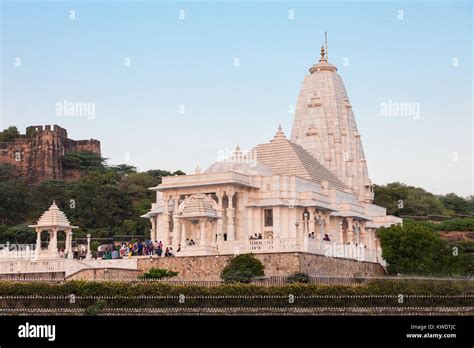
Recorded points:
(325, 126)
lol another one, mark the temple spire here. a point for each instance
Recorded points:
(279, 134)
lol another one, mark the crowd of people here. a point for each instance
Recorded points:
(79, 252)
(134, 248)
(146, 248)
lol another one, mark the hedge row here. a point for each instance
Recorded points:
(178, 302)
(466, 225)
(376, 287)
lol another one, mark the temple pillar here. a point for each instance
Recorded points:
(292, 219)
(357, 233)
(66, 243)
(312, 221)
(371, 243)
(363, 233)
(183, 233)
(70, 254)
(165, 223)
(245, 215)
(305, 224)
(38, 242)
(213, 232)
(153, 231)
(88, 254)
(176, 231)
(53, 241)
(350, 230)
(202, 227)
(220, 224)
(341, 231)
(230, 218)
(176, 223)
(220, 217)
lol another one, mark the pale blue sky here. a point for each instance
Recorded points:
(190, 62)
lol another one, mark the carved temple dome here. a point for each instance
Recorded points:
(54, 218)
(199, 206)
(241, 163)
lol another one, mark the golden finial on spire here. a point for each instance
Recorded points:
(323, 54)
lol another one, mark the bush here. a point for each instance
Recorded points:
(158, 273)
(242, 269)
(456, 225)
(96, 308)
(298, 278)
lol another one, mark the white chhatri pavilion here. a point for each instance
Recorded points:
(53, 220)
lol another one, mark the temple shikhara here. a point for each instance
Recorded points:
(309, 192)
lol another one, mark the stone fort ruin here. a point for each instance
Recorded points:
(38, 153)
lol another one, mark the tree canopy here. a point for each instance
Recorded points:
(82, 160)
(104, 201)
(9, 134)
(401, 199)
(416, 248)
(13, 196)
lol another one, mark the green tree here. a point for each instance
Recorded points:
(159, 174)
(20, 234)
(124, 170)
(42, 195)
(9, 134)
(413, 249)
(13, 196)
(158, 273)
(470, 202)
(455, 204)
(98, 201)
(82, 160)
(400, 199)
(242, 269)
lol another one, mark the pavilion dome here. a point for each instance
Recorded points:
(199, 205)
(240, 163)
(53, 217)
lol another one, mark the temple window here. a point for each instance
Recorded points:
(268, 213)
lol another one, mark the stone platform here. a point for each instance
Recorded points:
(276, 264)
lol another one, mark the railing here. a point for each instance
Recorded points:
(313, 246)
(31, 266)
(27, 253)
(63, 265)
(355, 280)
